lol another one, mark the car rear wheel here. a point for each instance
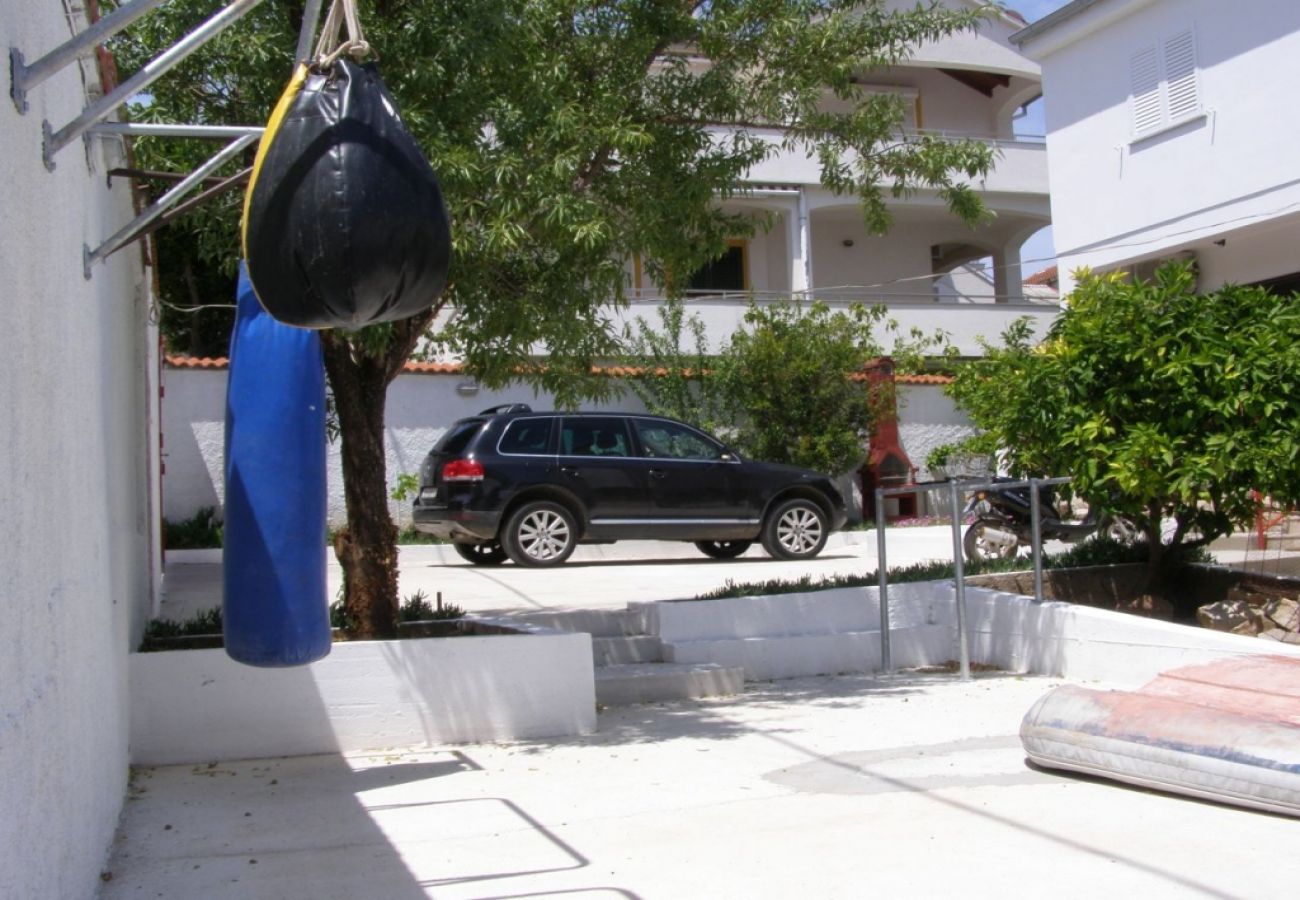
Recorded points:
(488, 553)
(540, 534)
(796, 529)
(723, 549)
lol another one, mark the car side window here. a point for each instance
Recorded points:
(669, 440)
(526, 436)
(594, 436)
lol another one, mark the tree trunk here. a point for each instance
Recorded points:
(1155, 552)
(367, 546)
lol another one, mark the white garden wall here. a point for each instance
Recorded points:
(77, 389)
(420, 407)
(201, 706)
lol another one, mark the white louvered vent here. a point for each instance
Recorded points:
(1180, 75)
(1144, 72)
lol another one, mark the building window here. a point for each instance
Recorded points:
(729, 272)
(1165, 84)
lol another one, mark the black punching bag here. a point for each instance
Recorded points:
(344, 223)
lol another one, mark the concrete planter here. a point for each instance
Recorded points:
(192, 706)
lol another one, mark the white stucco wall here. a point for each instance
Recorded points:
(1229, 172)
(74, 452)
(420, 407)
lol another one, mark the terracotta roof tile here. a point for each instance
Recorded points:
(1046, 276)
(177, 361)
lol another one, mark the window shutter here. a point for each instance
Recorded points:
(1144, 73)
(1180, 74)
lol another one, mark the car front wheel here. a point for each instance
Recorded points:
(488, 553)
(540, 534)
(796, 529)
(723, 549)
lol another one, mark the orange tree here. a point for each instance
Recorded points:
(1164, 405)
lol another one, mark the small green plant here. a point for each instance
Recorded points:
(407, 486)
(939, 456)
(200, 531)
(417, 608)
(159, 631)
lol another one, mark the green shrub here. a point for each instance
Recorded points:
(200, 531)
(1099, 551)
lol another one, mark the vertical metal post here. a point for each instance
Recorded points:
(882, 579)
(310, 19)
(959, 572)
(1036, 536)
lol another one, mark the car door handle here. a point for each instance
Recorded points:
(657, 473)
(569, 470)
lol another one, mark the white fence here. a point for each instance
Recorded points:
(420, 407)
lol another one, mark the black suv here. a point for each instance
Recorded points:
(530, 486)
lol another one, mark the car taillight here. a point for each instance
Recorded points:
(463, 470)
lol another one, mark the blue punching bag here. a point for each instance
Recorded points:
(275, 611)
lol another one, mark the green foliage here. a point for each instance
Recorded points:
(200, 531)
(1096, 552)
(675, 379)
(159, 633)
(417, 608)
(1162, 403)
(781, 388)
(568, 139)
(785, 375)
(406, 487)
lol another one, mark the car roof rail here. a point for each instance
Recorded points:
(506, 408)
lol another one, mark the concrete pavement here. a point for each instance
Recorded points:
(830, 787)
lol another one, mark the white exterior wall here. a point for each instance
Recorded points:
(75, 415)
(1229, 173)
(420, 407)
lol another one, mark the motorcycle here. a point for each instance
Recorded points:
(1003, 522)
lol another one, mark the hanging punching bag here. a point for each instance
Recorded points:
(275, 607)
(344, 223)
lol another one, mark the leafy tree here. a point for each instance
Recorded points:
(783, 387)
(571, 136)
(1162, 404)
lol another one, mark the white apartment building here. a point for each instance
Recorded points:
(1171, 133)
(926, 269)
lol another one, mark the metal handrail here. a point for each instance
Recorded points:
(955, 489)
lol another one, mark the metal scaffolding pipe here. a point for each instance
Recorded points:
(25, 77)
(151, 72)
(168, 129)
(167, 200)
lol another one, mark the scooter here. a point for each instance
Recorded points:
(1003, 522)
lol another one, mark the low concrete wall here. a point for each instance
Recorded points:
(1013, 632)
(192, 706)
(826, 632)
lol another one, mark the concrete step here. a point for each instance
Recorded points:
(650, 682)
(619, 651)
(595, 622)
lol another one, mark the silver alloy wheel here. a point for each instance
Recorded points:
(799, 530)
(544, 535)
